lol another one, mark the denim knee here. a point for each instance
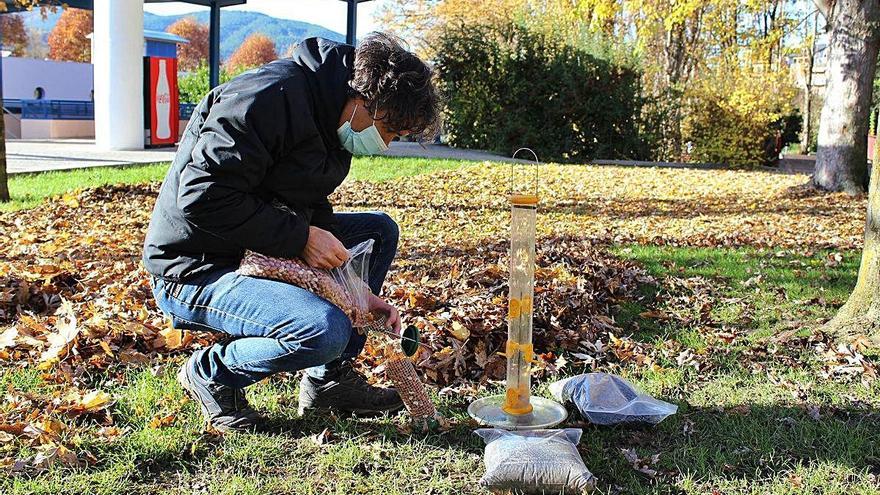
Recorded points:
(328, 340)
(390, 231)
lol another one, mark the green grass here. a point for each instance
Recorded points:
(379, 169)
(29, 190)
(739, 429)
(762, 291)
(743, 425)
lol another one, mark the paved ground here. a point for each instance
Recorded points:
(798, 163)
(25, 155)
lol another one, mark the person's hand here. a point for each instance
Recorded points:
(323, 250)
(392, 318)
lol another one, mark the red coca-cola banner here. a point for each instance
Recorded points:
(163, 101)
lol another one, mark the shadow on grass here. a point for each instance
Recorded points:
(738, 445)
(748, 289)
(397, 428)
(751, 443)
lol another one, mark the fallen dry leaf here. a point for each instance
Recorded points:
(94, 401)
(323, 438)
(459, 331)
(161, 421)
(66, 331)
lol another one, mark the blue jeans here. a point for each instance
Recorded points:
(274, 326)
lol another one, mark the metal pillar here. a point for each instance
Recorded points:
(214, 45)
(351, 25)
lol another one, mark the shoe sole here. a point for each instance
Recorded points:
(185, 382)
(355, 412)
(183, 379)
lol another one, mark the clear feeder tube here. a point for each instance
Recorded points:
(517, 409)
(519, 350)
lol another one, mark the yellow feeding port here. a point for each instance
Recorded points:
(523, 199)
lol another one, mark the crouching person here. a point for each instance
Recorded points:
(255, 166)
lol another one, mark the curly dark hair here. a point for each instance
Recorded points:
(394, 80)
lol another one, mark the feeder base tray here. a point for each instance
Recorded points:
(545, 414)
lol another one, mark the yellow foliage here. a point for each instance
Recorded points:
(731, 110)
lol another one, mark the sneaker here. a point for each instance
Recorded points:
(224, 408)
(346, 390)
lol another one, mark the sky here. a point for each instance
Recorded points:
(328, 13)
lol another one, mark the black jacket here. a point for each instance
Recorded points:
(255, 165)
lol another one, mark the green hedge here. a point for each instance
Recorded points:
(509, 87)
(193, 86)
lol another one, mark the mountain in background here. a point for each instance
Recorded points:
(235, 26)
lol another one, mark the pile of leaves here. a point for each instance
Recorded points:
(81, 300)
(458, 298)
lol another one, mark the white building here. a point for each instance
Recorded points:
(49, 99)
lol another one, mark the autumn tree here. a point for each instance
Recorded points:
(4, 181)
(680, 43)
(841, 159)
(67, 40)
(861, 313)
(808, 67)
(671, 35)
(191, 55)
(420, 22)
(15, 38)
(258, 49)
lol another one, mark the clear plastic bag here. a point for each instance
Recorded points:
(535, 461)
(605, 399)
(344, 286)
(352, 277)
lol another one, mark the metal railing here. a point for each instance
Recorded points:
(65, 109)
(57, 110)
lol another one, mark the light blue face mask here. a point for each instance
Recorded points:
(365, 142)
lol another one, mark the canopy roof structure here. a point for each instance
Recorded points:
(117, 52)
(214, 37)
(12, 6)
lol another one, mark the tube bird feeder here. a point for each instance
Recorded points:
(517, 409)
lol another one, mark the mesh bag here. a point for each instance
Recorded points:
(399, 369)
(605, 399)
(343, 286)
(535, 461)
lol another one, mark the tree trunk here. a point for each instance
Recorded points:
(4, 187)
(808, 94)
(841, 160)
(861, 313)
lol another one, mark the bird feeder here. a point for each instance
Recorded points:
(517, 409)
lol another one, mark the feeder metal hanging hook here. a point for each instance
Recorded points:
(512, 164)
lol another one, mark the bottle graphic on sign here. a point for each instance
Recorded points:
(163, 103)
